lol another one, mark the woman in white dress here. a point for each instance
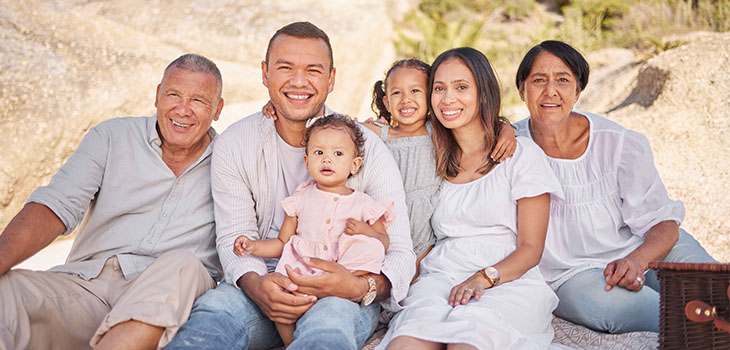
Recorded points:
(616, 216)
(479, 287)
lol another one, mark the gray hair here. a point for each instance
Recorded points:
(197, 63)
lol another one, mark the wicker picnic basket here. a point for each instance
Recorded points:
(702, 284)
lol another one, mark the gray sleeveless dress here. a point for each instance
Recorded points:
(417, 163)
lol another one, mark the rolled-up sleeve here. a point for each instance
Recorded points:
(74, 186)
(382, 181)
(644, 199)
(234, 206)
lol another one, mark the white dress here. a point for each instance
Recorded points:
(613, 196)
(476, 224)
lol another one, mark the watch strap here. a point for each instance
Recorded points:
(368, 298)
(484, 274)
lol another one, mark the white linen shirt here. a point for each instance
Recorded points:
(128, 203)
(613, 197)
(245, 173)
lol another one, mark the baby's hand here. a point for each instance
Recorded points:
(269, 111)
(357, 227)
(243, 245)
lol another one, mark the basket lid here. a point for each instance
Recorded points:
(677, 266)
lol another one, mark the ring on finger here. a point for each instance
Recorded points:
(639, 279)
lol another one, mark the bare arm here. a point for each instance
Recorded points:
(657, 243)
(376, 230)
(33, 228)
(267, 248)
(532, 222)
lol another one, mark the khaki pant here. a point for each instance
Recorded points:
(53, 310)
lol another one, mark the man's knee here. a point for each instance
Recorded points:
(9, 305)
(21, 292)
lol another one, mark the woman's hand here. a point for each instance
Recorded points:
(625, 273)
(269, 111)
(506, 143)
(628, 272)
(473, 287)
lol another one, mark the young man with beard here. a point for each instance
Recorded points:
(257, 162)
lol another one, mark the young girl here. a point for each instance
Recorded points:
(320, 211)
(405, 128)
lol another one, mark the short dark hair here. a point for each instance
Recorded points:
(304, 30)
(339, 121)
(448, 153)
(566, 53)
(197, 63)
(380, 86)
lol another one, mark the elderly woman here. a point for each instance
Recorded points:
(479, 287)
(616, 216)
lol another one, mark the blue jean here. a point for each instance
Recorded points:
(583, 299)
(225, 318)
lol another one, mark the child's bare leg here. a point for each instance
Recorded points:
(286, 332)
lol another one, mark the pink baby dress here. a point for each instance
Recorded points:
(321, 218)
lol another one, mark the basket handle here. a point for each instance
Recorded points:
(698, 311)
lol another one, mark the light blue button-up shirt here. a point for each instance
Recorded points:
(127, 203)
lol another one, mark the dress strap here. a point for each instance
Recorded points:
(429, 127)
(384, 131)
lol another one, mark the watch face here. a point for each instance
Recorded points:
(368, 299)
(492, 272)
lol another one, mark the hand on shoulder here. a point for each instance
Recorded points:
(374, 126)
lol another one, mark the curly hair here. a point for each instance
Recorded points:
(342, 122)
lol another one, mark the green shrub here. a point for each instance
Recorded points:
(504, 30)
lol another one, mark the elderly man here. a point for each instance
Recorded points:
(139, 190)
(258, 162)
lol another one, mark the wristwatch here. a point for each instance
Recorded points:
(368, 298)
(491, 274)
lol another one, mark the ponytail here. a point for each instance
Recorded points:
(378, 106)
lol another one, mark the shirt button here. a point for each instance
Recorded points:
(325, 247)
(335, 199)
(328, 221)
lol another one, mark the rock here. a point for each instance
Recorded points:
(67, 65)
(679, 99)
